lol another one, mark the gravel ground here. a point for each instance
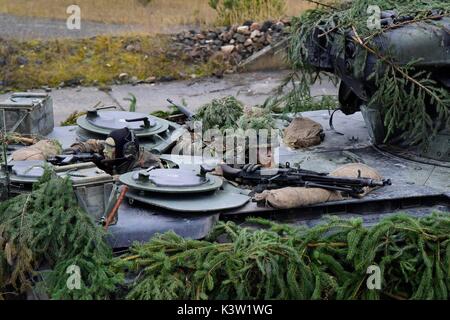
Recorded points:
(23, 28)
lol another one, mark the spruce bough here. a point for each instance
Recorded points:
(328, 261)
(403, 93)
(48, 230)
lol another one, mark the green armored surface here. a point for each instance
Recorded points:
(155, 134)
(171, 181)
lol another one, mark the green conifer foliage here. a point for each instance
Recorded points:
(47, 229)
(403, 94)
(328, 261)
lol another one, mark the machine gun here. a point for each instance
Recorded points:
(190, 115)
(66, 159)
(292, 177)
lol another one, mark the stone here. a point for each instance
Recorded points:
(226, 36)
(286, 21)
(266, 26)
(279, 26)
(240, 38)
(123, 76)
(166, 78)
(134, 80)
(255, 26)
(227, 49)
(200, 36)
(21, 60)
(255, 34)
(260, 39)
(236, 57)
(196, 53)
(211, 35)
(105, 88)
(74, 82)
(150, 80)
(248, 23)
(248, 42)
(243, 29)
(232, 41)
(133, 47)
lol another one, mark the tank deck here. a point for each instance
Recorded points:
(417, 188)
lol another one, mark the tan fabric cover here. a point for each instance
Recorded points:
(351, 170)
(293, 197)
(39, 151)
(302, 133)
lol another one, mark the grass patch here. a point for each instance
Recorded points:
(95, 61)
(229, 12)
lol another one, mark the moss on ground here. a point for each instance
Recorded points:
(94, 61)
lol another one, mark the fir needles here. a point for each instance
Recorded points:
(413, 104)
(48, 229)
(329, 261)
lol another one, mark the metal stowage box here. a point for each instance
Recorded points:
(28, 113)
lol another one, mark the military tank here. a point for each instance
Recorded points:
(187, 199)
(426, 43)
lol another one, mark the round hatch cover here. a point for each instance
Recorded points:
(118, 119)
(103, 122)
(171, 181)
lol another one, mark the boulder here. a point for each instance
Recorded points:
(243, 29)
(227, 49)
(123, 76)
(255, 26)
(255, 34)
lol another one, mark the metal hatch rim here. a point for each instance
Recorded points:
(214, 184)
(161, 126)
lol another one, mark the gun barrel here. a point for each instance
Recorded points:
(357, 182)
(182, 109)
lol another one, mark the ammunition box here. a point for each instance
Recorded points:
(28, 113)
